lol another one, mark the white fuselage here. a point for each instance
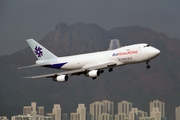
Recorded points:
(125, 55)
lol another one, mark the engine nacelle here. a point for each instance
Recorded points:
(93, 73)
(61, 78)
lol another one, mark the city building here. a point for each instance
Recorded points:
(41, 110)
(33, 106)
(108, 108)
(57, 112)
(133, 114)
(74, 116)
(30, 109)
(3, 118)
(177, 113)
(121, 116)
(142, 113)
(27, 110)
(105, 116)
(96, 110)
(31, 117)
(124, 107)
(158, 104)
(156, 114)
(81, 110)
(126, 112)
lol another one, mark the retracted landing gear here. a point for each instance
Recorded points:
(148, 66)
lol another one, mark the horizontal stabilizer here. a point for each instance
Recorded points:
(30, 66)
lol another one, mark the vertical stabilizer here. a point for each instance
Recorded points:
(40, 52)
(114, 44)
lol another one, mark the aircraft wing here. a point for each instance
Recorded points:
(77, 71)
(56, 74)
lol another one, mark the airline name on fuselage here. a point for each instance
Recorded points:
(125, 53)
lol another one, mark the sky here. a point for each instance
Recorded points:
(23, 19)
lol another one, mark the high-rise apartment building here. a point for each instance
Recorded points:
(3, 118)
(57, 112)
(41, 110)
(177, 113)
(142, 113)
(124, 107)
(108, 107)
(121, 116)
(30, 109)
(33, 105)
(96, 110)
(74, 116)
(27, 110)
(105, 116)
(156, 114)
(133, 114)
(158, 104)
(81, 110)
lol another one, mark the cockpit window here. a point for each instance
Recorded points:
(147, 45)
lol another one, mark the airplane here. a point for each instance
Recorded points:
(91, 64)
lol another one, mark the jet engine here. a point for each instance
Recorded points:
(93, 73)
(61, 78)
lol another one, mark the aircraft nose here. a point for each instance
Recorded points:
(157, 52)
(154, 52)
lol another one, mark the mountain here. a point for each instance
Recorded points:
(133, 83)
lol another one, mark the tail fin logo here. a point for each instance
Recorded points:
(38, 51)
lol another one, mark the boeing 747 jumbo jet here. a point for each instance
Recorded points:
(91, 64)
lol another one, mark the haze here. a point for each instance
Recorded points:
(22, 19)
